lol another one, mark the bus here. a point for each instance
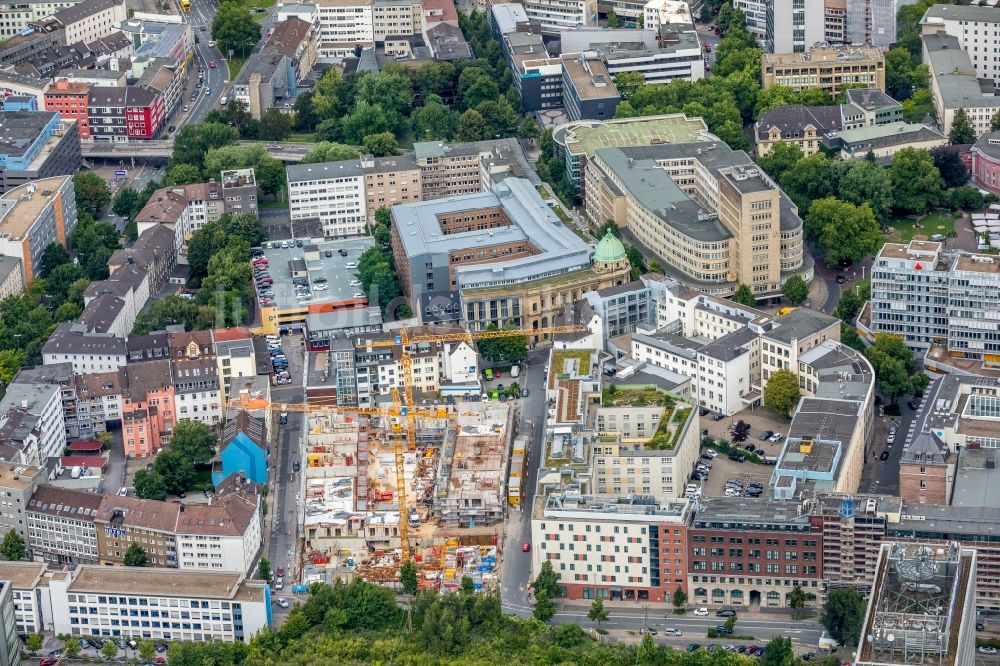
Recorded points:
(186, 5)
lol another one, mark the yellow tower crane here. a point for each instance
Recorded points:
(407, 410)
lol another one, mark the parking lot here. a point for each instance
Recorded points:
(759, 419)
(724, 469)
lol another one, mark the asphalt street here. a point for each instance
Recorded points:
(216, 79)
(516, 571)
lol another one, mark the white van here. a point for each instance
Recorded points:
(223, 101)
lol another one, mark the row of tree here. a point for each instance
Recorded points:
(202, 151)
(274, 124)
(219, 257)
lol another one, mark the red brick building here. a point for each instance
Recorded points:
(746, 552)
(147, 408)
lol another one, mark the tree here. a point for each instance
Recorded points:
(780, 158)
(274, 125)
(797, 597)
(408, 577)
(863, 182)
(547, 581)
(896, 371)
(12, 548)
(778, 652)
(813, 177)
(149, 485)
(125, 202)
(433, 120)
(227, 158)
(325, 151)
(843, 232)
(679, 599)
(92, 193)
(795, 289)
(843, 614)
(782, 392)
(147, 650)
(180, 173)
(916, 182)
(529, 129)
(109, 650)
(467, 585)
(135, 556)
(964, 198)
(270, 175)
(544, 607)
(53, 256)
(391, 90)
(597, 612)
(475, 86)
(744, 296)
(995, 122)
(500, 117)
(471, 126)
(383, 215)
(264, 569)
(381, 144)
(636, 261)
(194, 440)
(72, 647)
(613, 20)
(628, 83)
(378, 277)
(192, 142)
(177, 471)
(34, 643)
(962, 131)
(235, 29)
(949, 164)
(512, 349)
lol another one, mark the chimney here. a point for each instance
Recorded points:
(182, 507)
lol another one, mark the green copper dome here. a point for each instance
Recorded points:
(610, 249)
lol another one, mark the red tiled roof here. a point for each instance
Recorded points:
(85, 445)
(83, 461)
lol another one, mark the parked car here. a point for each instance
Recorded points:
(671, 631)
(884, 455)
(776, 437)
(764, 436)
(283, 603)
(735, 458)
(525, 547)
(722, 629)
(718, 417)
(912, 404)
(693, 647)
(725, 612)
(700, 612)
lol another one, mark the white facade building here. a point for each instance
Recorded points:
(43, 401)
(792, 26)
(88, 352)
(344, 25)
(180, 605)
(333, 192)
(977, 29)
(461, 364)
(557, 15)
(230, 545)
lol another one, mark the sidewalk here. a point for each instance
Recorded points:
(668, 609)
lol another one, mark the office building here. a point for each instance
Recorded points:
(504, 253)
(36, 145)
(344, 26)
(872, 22)
(701, 210)
(10, 643)
(949, 298)
(609, 547)
(922, 606)
(792, 26)
(828, 68)
(589, 92)
(42, 399)
(17, 483)
(956, 85)
(578, 141)
(61, 527)
(262, 83)
(32, 612)
(182, 605)
(91, 20)
(457, 169)
(555, 16)
(752, 552)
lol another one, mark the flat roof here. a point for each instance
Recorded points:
(151, 582)
(589, 77)
(976, 483)
(585, 137)
(334, 269)
(17, 214)
(818, 54)
(954, 73)
(800, 323)
(22, 575)
(824, 419)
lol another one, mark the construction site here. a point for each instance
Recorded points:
(364, 514)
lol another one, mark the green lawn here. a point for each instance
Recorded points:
(271, 203)
(905, 228)
(301, 137)
(202, 480)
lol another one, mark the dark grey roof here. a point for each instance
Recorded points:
(989, 145)
(870, 99)
(448, 43)
(20, 129)
(72, 339)
(820, 419)
(265, 64)
(729, 346)
(101, 313)
(145, 377)
(83, 10)
(800, 323)
(794, 118)
(947, 520)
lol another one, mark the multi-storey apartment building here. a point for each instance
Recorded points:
(88, 352)
(32, 217)
(70, 99)
(124, 114)
(234, 353)
(17, 483)
(829, 68)
(792, 26)
(148, 408)
(956, 83)
(752, 552)
(333, 192)
(713, 218)
(395, 17)
(611, 547)
(91, 20)
(61, 528)
(31, 612)
(977, 29)
(194, 369)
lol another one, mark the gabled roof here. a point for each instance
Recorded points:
(791, 120)
(251, 427)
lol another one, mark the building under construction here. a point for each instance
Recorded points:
(922, 607)
(455, 477)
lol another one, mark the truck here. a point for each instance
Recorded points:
(827, 643)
